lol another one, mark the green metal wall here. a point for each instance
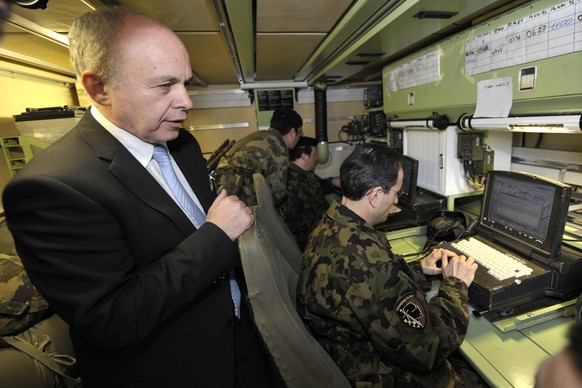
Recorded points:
(558, 87)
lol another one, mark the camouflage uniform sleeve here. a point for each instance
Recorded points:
(291, 208)
(417, 276)
(328, 187)
(292, 203)
(304, 204)
(260, 151)
(275, 168)
(404, 328)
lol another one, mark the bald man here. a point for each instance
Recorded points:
(154, 297)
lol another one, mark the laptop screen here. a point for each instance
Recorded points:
(408, 190)
(526, 211)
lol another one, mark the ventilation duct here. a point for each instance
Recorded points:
(320, 95)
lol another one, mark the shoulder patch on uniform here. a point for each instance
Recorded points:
(411, 311)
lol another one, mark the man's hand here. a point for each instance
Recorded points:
(451, 265)
(429, 263)
(460, 267)
(230, 214)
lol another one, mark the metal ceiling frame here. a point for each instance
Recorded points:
(349, 31)
(21, 58)
(38, 30)
(220, 10)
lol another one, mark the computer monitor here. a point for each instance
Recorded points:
(525, 211)
(408, 191)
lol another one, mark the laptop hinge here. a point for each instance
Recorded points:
(549, 263)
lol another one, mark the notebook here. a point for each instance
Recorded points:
(524, 216)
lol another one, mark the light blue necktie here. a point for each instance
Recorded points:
(187, 204)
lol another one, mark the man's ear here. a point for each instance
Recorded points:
(95, 87)
(374, 196)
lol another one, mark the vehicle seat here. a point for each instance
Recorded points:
(268, 259)
(285, 240)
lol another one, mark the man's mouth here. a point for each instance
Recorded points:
(176, 122)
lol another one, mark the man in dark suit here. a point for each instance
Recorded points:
(147, 294)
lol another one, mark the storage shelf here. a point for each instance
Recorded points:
(19, 150)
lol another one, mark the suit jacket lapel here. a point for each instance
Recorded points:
(132, 174)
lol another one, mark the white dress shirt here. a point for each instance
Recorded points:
(143, 152)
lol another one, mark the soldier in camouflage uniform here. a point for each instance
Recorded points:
(264, 152)
(305, 202)
(366, 306)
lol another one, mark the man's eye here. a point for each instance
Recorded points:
(188, 83)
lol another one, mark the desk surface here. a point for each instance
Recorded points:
(503, 359)
(511, 359)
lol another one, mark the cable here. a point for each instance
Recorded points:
(470, 176)
(469, 230)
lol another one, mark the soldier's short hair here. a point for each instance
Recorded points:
(285, 119)
(369, 165)
(303, 146)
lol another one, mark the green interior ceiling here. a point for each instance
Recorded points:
(338, 38)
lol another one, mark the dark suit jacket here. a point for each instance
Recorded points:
(145, 297)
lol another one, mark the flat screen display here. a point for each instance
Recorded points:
(527, 208)
(410, 169)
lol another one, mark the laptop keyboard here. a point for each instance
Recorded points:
(499, 265)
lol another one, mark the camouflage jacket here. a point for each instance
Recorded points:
(21, 304)
(260, 151)
(305, 202)
(367, 307)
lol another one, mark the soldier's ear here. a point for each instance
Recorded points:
(374, 196)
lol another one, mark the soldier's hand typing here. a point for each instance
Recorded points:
(430, 264)
(450, 265)
(459, 267)
(230, 214)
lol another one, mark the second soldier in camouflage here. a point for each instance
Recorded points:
(264, 152)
